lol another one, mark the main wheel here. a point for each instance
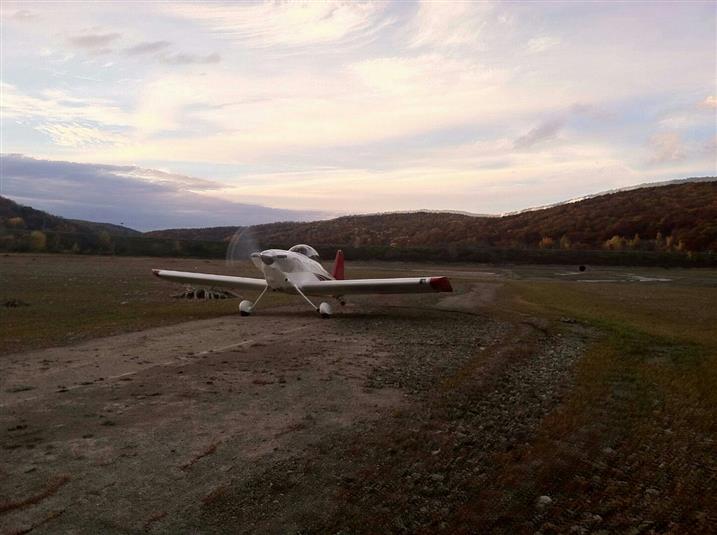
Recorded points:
(245, 307)
(325, 310)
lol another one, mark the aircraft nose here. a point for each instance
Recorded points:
(267, 258)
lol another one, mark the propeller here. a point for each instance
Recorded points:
(241, 246)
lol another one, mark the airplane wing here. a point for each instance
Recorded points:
(377, 286)
(206, 279)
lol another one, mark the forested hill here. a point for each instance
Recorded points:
(676, 217)
(207, 234)
(17, 216)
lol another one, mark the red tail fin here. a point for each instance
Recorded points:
(338, 273)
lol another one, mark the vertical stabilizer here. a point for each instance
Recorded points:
(338, 273)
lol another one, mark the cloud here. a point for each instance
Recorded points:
(147, 47)
(541, 44)
(144, 199)
(94, 40)
(285, 24)
(666, 147)
(54, 105)
(543, 132)
(78, 135)
(189, 59)
(24, 15)
(709, 103)
(449, 24)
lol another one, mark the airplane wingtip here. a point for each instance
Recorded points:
(441, 284)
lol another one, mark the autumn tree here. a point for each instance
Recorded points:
(616, 243)
(38, 240)
(546, 242)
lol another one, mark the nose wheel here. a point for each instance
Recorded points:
(245, 307)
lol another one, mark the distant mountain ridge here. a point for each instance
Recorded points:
(614, 190)
(14, 215)
(676, 215)
(679, 215)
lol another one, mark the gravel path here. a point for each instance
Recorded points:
(476, 387)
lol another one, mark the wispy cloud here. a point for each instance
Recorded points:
(666, 147)
(285, 24)
(709, 103)
(92, 41)
(59, 106)
(449, 24)
(190, 59)
(25, 15)
(147, 47)
(541, 44)
(78, 135)
(545, 131)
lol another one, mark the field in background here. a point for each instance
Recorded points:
(73, 298)
(630, 446)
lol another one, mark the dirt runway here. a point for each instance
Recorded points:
(197, 426)
(147, 424)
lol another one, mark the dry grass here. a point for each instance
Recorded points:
(156, 517)
(214, 495)
(194, 460)
(74, 298)
(633, 445)
(52, 487)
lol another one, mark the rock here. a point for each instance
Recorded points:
(543, 501)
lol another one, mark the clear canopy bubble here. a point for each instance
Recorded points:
(305, 250)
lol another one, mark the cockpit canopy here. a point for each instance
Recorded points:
(305, 250)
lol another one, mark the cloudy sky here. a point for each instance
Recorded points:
(178, 114)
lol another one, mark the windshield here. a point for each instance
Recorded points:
(305, 250)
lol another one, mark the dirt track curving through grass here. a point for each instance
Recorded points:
(521, 403)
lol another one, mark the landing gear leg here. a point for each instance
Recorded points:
(324, 309)
(246, 307)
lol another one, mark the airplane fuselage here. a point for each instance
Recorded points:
(285, 270)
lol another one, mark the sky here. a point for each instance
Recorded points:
(160, 114)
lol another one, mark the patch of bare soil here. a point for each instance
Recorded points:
(144, 428)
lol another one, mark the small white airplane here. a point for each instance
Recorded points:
(298, 271)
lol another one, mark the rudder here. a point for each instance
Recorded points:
(338, 272)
